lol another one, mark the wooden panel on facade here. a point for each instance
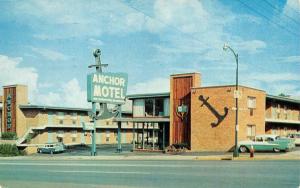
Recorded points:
(181, 93)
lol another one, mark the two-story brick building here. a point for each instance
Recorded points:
(202, 118)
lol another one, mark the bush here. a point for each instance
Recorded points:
(9, 150)
(9, 136)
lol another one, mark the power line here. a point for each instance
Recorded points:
(275, 8)
(278, 25)
(164, 23)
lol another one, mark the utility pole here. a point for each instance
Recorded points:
(236, 95)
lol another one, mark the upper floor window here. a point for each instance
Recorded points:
(149, 107)
(74, 116)
(159, 107)
(60, 115)
(251, 102)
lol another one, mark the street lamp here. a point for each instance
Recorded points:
(236, 149)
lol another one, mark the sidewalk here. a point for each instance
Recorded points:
(284, 156)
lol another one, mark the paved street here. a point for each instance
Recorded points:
(105, 173)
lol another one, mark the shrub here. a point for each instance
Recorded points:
(9, 136)
(9, 150)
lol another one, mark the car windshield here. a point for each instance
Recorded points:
(269, 139)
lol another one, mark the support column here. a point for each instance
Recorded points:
(133, 137)
(93, 148)
(152, 136)
(147, 133)
(143, 143)
(164, 136)
(119, 149)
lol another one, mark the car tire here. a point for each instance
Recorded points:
(276, 150)
(243, 149)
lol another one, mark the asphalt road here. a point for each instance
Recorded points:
(103, 173)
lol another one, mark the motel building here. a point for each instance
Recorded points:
(202, 118)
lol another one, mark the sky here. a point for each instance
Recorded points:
(48, 45)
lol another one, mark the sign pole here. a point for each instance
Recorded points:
(105, 88)
(93, 152)
(119, 149)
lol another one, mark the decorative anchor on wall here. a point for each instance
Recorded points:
(219, 117)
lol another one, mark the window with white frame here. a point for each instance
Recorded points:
(251, 131)
(251, 102)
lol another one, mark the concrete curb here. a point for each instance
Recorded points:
(157, 157)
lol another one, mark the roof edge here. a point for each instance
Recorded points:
(220, 86)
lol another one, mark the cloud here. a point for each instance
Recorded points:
(274, 77)
(286, 88)
(156, 85)
(73, 95)
(95, 42)
(13, 73)
(289, 59)
(69, 94)
(50, 54)
(252, 47)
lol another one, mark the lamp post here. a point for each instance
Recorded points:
(236, 151)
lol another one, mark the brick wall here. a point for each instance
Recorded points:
(205, 136)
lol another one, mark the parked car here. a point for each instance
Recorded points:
(51, 148)
(267, 142)
(295, 136)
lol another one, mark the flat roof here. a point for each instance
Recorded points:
(42, 107)
(14, 85)
(220, 86)
(285, 99)
(184, 74)
(148, 95)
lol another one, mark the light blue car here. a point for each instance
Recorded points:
(51, 148)
(267, 142)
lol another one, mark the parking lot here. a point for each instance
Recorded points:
(111, 149)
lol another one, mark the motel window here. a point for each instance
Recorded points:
(274, 111)
(278, 111)
(159, 107)
(61, 121)
(74, 122)
(149, 104)
(251, 102)
(107, 136)
(74, 115)
(285, 111)
(285, 131)
(139, 108)
(60, 115)
(251, 132)
(73, 139)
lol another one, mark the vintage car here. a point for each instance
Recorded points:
(295, 136)
(51, 148)
(267, 142)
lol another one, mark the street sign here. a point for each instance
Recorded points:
(237, 94)
(107, 87)
(88, 126)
